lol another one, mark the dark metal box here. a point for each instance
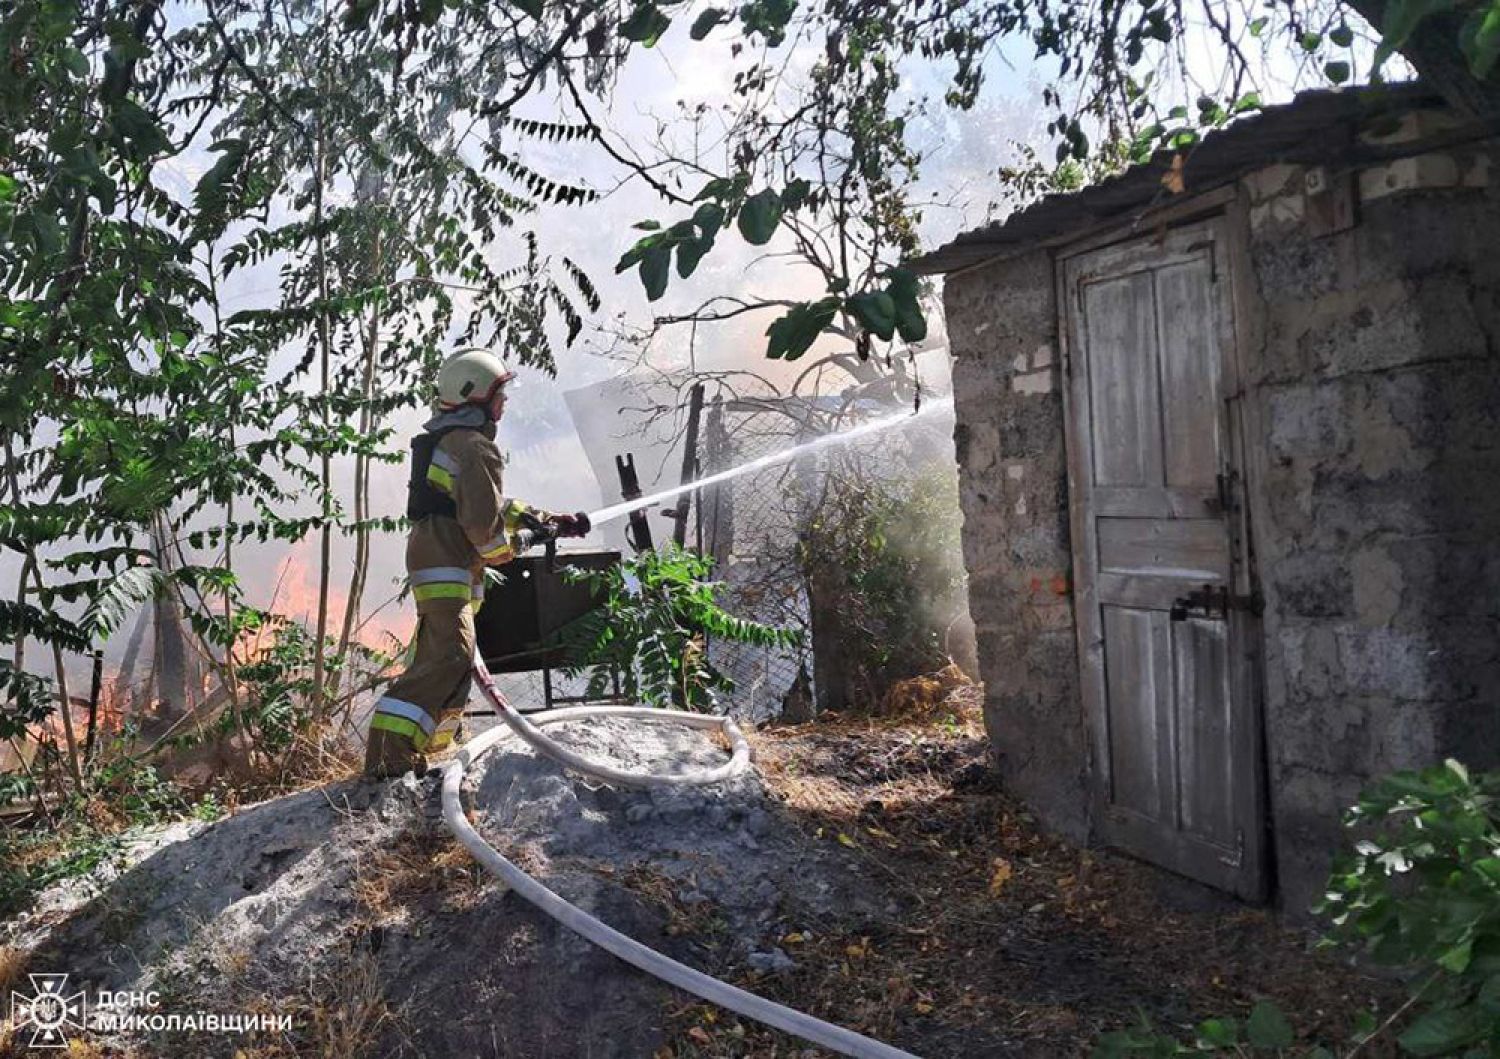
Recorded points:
(532, 603)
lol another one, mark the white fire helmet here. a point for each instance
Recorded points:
(470, 377)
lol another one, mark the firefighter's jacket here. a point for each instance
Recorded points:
(446, 555)
(471, 524)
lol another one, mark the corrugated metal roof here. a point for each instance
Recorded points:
(1315, 128)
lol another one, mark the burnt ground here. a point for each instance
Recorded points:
(869, 873)
(996, 940)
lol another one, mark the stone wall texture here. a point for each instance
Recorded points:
(1372, 379)
(1013, 487)
(1376, 375)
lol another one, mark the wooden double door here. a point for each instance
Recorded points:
(1168, 614)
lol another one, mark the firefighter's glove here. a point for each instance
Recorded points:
(574, 525)
(535, 531)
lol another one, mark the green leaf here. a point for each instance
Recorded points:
(1258, 26)
(647, 226)
(876, 312)
(795, 194)
(208, 195)
(690, 252)
(1310, 41)
(132, 123)
(119, 598)
(1267, 1027)
(759, 217)
(1337, 72)
(1342, 36)
(1488, 997)
(1456, 959)
(1479, 38)
(531, 7)
(1401, 18)
(1443, 1031)
(709, 217)
(911, 324)
(645, 25)
(1218, 1033)
(655, 265)
(704, 24)
(793, 334)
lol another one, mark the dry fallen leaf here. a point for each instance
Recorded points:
(1000, 874)
(1172, 178)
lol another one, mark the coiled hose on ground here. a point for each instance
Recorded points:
(841, 1040)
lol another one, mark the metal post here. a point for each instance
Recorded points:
(689, 465)
(630, 489)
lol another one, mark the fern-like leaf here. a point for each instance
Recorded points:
(118, 598)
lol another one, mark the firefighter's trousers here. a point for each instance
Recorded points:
(421, 710)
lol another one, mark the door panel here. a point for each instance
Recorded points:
(1189, 373)
(1140, 755)
(1162, 572)
(1190, 550)
(1200, 665)
(1124, 406)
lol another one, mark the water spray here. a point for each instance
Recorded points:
(874, 426)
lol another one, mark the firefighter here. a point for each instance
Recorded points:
(461, 521)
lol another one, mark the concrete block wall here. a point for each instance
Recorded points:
(1002, 322)
(1377, 380)
(1372, 375)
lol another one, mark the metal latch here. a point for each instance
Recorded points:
(1215, 601)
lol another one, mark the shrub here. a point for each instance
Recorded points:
(1418, 891)
(885, 554)
(657, 608)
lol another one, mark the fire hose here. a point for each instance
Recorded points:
(743, 1002)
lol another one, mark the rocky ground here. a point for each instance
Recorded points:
(867, 872)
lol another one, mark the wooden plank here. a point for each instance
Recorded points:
(1154, 503)
(1139, 593)
(1203, 708)
(1131, 669)
(1120, 331)
(1189, 372)
(1181, 549)
(1078, 434)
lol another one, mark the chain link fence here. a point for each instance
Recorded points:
(753, 524)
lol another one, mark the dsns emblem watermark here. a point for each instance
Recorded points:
(50, 1012)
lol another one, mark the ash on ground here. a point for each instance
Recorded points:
(351, 909)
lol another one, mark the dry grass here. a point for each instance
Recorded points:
(1004, 940)
(13, 963)
(947, 691)
(348, 1010)
(698, 920)
(416, 864)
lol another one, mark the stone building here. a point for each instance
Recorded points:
(1230, 474)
